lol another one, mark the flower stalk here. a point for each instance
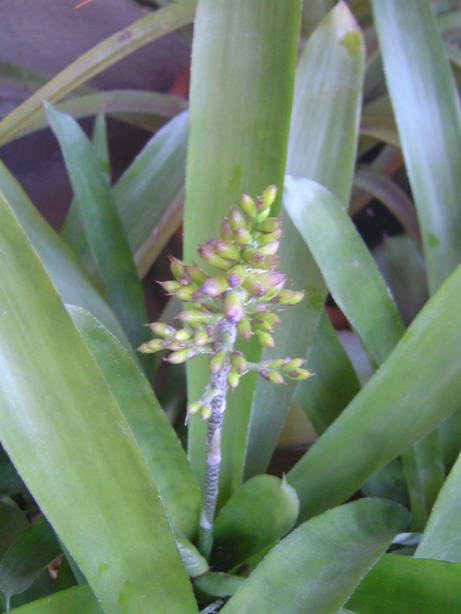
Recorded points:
(240, 299)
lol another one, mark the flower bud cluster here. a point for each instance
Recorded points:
(246, 291)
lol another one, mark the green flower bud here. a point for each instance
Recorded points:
(233, 309)
(275, 377)
(170, 286)
(254, 287)
(217, 362)
(236, 220)
(185, 293)
(180, 356)
(264, 239)
(191, 316)
(242, 236)
(238, 362)
(270, 317)
(299, 374)
(213, 286)
(270, 262)
(248, 205)
(244, 328)
(270, 279)
(227, 250)
(270, 224)
(274, 364)
(208, 254)
(235, 275)
(268, 196)
(233, 379)
(264, 327)
(182, 335)
(270, 248)
(200, 338)
(195, 274)
(253, 256)
(150, 347)
(177, 268)
(205, 412)
(265, 339)
(225, 231)
(161, 329)
(290, 297)
(294, 363)
(193, 408)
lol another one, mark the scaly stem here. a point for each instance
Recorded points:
(225, 339)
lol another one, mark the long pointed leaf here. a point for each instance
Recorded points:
(72, 601)
(315, 569)
(417, 388)
(59, 420)
(242, 78)
(322, 145)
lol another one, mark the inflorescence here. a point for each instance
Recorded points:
(246, 293)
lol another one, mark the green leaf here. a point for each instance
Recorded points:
(346, 264)
(416, 388)
(335, 384)
(378, 121)
(315, 568)
(212, 585)
(103, 228)
(404, 585)
(322, 146)
(67, 436)
(26, 558)
(70, 280)
(71, 601)
(259, 513)
(10, 481)
(418, 77)
(12, 524)
(153, 433)
(239, 119)
(97, 59)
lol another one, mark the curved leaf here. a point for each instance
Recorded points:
(71, 601)
(259, 513)
(416, 388)
(153, 433)
(66, 435)
(315, 568)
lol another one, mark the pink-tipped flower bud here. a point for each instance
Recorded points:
(235, 275)
(161, 329)
(177, 268)
(150, 347)
(248, 205)
(233, 309)
(233, 379)
(270, 262)
(236, 219)
(268, 196)
(265, 339)
(227, 250)
(192, 316)
(244, 328)
(270, 224)
(213, 286)
(201, 338)
(180, 356)
(208, 254)
(225, 231)
(290, 297)
(271, 279)
(253, 256)
(242, 236)
(299, 374)
(217, 362)
(195, 274)
(254, 287)
(238, 362)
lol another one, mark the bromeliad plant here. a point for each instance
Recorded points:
(241, 300)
